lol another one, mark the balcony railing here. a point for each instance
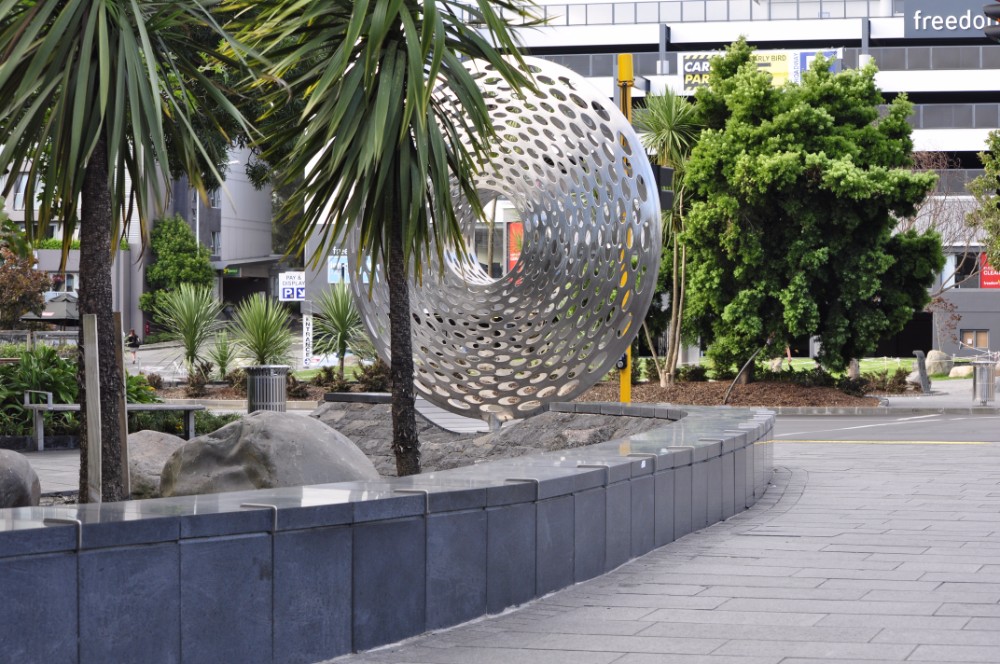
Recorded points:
(700, 11)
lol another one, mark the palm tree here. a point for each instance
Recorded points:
(670, 128)
(338, 324)
(98, 105)
(380, 143)
(190, 315)
(260, 330)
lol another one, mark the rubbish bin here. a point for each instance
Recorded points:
(984, 376)
(266, 388)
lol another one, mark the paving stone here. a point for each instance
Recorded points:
(856, 553)
(954, 654)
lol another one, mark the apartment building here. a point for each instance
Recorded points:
(234, 223)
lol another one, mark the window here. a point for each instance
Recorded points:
(967, 270)
(64, 282)
(216, 243)
(978, 339)
(214, 199)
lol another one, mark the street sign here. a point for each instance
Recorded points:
(292, 286)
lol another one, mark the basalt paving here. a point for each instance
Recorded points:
(857, 553)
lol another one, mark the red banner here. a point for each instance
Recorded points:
(989, 277)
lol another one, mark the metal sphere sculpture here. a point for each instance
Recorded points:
(558, 321)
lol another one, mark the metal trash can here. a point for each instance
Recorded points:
(266, 388)
(984, 376)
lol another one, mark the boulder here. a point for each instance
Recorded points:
(939, 363)
(913, 378)
(148, 452)
(264, 450)
(961, 371)
(19, 486)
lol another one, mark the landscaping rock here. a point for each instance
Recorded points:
(913, 378)
(19, 486)
(265, 449)
(961, 371)
(370, 426)
(939, 363)
(148, 452)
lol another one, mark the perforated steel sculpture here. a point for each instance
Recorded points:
(557, 322)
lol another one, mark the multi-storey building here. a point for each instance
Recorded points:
(234, 223)
(933, 51)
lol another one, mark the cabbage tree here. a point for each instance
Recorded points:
(100, 102)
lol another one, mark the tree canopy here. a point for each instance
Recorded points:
(985, 189)
(797, 190)
(392, 126)
(177, 259)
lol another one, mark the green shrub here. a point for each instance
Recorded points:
(154, 380)
(237, 379)
(295, 388)
(813, 377)
(887, 381)
(138, 389)
(691, 373)
(855, 387)
(375, 377)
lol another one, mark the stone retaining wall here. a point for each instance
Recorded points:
(308, 573)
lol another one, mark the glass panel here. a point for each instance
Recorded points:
(717, 10)
(647, 12)
(856, 9)
(991, 57)
(918, 57)
(739, 10)
(788, 10)
(937, 116)
(987, 116)
(645, 63)
(601, 14)
(602, 64)
(759, 11)
(966, 266)
(576, 14)
(670, 12)
(693, 10)
(625, 13)
(945, 57)
(890, 59)
(969, 57)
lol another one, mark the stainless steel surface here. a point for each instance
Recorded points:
(551, 327)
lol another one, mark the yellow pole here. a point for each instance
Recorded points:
(626, 79)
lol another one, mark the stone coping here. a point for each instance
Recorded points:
(303, 574)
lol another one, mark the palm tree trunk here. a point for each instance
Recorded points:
(405, 445)
(675, 342)
(95, 297)
(674, 318)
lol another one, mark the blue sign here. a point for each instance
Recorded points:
(292, 293)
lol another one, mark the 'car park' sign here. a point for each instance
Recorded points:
(291, 286)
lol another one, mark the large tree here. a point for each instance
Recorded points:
(798, 189)
(100, 101)
(985, 189)
(379, 145)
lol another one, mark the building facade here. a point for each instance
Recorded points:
(234, 223)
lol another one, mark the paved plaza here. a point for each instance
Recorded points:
(870, 552)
